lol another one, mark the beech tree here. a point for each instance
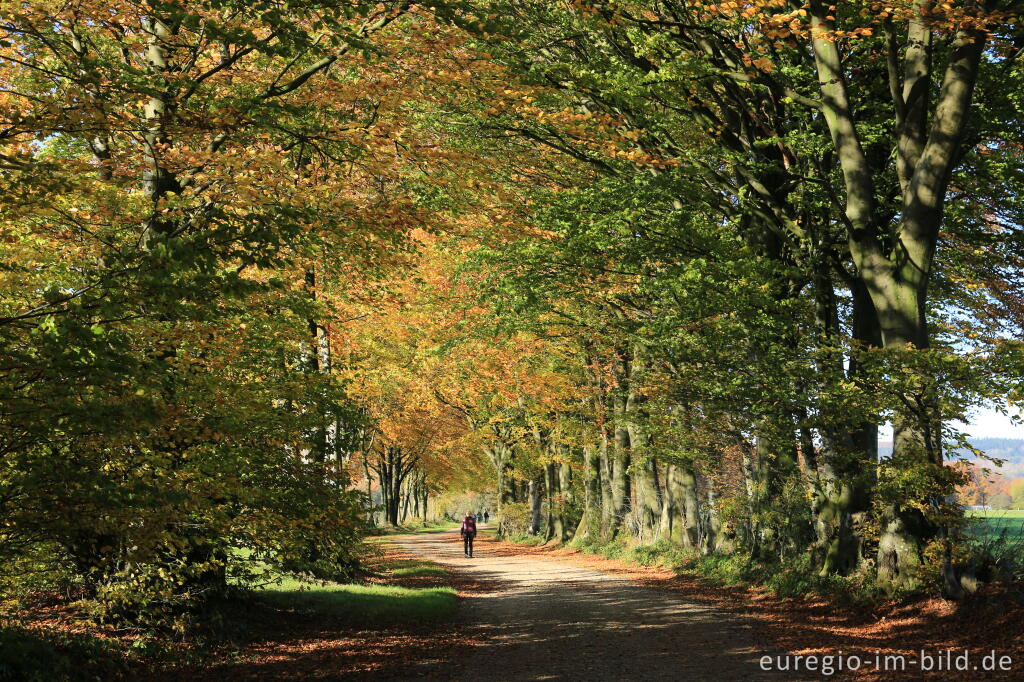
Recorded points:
(165, 166)
(803, 150)
(652, 271)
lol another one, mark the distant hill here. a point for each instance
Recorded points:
(1010, 450)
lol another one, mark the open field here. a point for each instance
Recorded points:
(993, 524)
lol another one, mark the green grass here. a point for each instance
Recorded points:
(416, 528)
(370, 605)
(365, 604)
(998, 513)
(992, 524)
(415, 568)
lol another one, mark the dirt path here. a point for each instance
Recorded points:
(550, 620)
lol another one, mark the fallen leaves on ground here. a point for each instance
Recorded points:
(310, 647)
(274, 644)
(283, 645)
(991, 620)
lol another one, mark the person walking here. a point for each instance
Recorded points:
(468, 532)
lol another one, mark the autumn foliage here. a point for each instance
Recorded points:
(274, 272)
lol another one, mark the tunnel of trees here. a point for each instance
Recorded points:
(653, 272)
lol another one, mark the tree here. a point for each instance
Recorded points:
(1000, 501)
(167, 170)
(1017, 492)
(768, 84)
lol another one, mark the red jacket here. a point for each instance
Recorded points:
(468, 526)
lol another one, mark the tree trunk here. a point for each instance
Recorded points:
(672, 523)
(405, 502)
(385, 503)
(895, 266)
(318, 361)
(685, 482)
(369, 488)
(590, 524)
(506, 482)
(776, 464)
(838, 472)
(620, 478)
(536, 510)
(607, 474)
(648, 497)
(551, 495)
(557, 479)
(716, 538)
(567, 500)
(157, 182)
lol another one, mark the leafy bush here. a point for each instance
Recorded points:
(514, 519)
(35, 656)
(661, 553)
(792, 577)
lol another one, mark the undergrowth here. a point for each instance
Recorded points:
(35, 655)
(793, 578)
(37, 646)
(993, 558)
(998, 556)
(529, 540)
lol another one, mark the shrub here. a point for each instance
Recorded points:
(34, 656)
(514, 519)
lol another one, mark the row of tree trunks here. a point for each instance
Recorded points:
(622, 478)
(403, 489)
(392, 466)
(891, 237)
(624, 481)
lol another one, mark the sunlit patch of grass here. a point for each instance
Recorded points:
(990, 524)
(416, 528)
(997, 513)
(414, 568)
(371, 605)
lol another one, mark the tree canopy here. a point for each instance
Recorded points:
(272, 273)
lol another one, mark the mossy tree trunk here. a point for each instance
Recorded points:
(895, 266)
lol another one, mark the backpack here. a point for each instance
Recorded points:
(469, 526)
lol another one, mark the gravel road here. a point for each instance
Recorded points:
(551, 620)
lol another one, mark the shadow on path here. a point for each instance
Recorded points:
(554, 621)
